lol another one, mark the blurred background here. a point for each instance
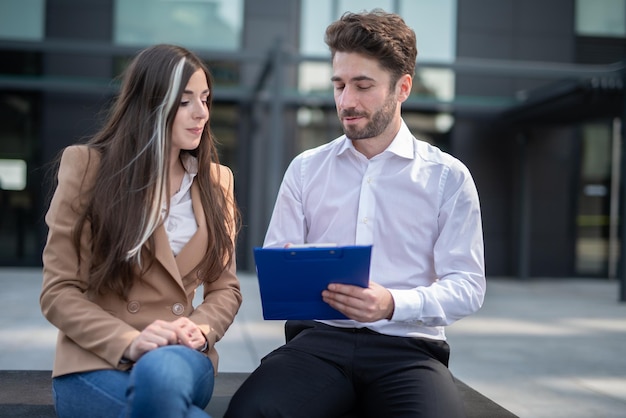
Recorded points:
(529, 94)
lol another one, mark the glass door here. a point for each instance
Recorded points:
(597, 219)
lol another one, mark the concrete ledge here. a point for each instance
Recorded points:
(27, 393)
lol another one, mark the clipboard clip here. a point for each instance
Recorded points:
(313, 253)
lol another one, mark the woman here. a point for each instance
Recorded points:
(142, 215)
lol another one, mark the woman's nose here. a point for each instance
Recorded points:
(201, 110)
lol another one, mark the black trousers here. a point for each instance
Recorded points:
(325, 372)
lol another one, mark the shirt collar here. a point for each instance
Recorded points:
(345, 145)
(190, 163)
(402, 144)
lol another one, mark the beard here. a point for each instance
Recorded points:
(377, 123)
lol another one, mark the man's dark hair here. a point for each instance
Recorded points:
(377, 34)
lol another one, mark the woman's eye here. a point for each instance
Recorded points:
(184, 103)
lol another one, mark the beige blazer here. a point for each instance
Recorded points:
(94, 331)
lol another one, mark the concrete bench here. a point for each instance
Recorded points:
(27, 393)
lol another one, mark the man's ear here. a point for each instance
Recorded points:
(403, 87)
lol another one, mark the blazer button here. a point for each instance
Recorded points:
(133, 306)
(178, 309)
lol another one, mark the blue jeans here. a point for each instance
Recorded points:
(171, 381)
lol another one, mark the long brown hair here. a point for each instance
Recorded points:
(131, 185)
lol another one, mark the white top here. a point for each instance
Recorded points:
(181, 224)
(416, 205)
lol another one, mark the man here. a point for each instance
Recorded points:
(419, 209)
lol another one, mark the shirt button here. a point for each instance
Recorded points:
(178, 309)
(365, 220)
(133, 306)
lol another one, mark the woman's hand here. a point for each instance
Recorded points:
(161, 333)
(188, 333)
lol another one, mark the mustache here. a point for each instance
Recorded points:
(348, 113)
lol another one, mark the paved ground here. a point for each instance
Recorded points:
(542, 349)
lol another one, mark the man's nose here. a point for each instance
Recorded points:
(347, 98)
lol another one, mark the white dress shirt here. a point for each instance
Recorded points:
(416, 205)
(180, 224)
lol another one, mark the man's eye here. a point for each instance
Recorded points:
(364, 87)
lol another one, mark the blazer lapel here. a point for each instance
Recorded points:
(193, 252)
(163, 254)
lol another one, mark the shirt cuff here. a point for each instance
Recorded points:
(408, 305)
(205, 347)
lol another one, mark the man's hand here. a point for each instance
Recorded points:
(361, 304)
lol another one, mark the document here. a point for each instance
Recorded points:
(291, 280)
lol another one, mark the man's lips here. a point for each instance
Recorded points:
(352, 119)
(350, 116)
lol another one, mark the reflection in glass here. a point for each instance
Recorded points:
(12, 174)
(201, 24)
(22, 20)
(601, 18)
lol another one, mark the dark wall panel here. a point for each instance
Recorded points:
(529, 30)
(553, 157)
(68, 116)
(79, 19)
(489, 159)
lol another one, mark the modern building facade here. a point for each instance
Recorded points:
(528, 93)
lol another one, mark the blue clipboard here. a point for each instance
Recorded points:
(291, 280)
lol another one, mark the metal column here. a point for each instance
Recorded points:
(523, 209)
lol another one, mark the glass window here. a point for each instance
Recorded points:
(361, 5)
(434, 23)
(22, 19)
(12, 174)
(20, 182)
(601, 18)
(199, 24)
(316, 15)
(594, 243)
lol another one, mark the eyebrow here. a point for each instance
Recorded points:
(207, 91)
(357, 78)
